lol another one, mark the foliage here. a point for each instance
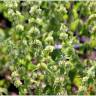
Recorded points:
(50, 48)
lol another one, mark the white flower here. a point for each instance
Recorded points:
(85, 79)
(58, 46)
(33, 9)
(11, 12)
(43, 85)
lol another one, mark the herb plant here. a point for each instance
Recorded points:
(47, 47)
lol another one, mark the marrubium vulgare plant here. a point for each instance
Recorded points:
(47, 47)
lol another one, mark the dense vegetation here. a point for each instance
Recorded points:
(47, 47)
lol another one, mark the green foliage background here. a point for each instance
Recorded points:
(28, 48)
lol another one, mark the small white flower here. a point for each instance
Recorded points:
(43, 85)
(58, 46)
(61, 78)
(11, 12)
(33, 9)
(85, 79)
(29, 74)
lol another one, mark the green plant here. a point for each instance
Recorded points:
(39, 50)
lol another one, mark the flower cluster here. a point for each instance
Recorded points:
(49, 47)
